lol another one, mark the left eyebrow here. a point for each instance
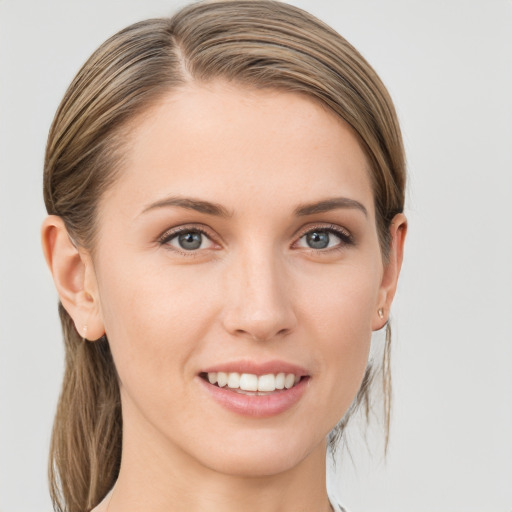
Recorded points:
(328, 205)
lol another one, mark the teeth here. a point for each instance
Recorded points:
(251, 382)
(280, 377)
(222, 379)
(233, 380)
(289, 381)
(267, 382)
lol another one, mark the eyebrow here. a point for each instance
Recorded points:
(328, 205)
(218, 210)
(190, 204)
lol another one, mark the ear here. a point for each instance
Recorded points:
(74, 277)
(397, 230)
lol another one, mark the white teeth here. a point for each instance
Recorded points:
(267, 382)
(249, 382)
(252, 382)
(233, 380)
(289, 380)
(222, 379)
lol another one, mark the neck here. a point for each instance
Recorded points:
(158, 479)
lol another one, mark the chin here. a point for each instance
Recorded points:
(256, 466)
(261, 454)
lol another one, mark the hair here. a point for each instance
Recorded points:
(254, 43)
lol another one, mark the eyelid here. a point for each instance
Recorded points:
(171, 233)
(341, 232)
(326, 227)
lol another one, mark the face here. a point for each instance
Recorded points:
(238, 244)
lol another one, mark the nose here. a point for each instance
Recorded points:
(259, 299)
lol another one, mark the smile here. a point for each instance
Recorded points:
(251, 383)
(256, 390)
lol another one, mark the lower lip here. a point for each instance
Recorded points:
(259, 406)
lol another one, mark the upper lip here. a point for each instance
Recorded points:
(257, 368)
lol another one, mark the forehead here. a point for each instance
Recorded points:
(236, 143)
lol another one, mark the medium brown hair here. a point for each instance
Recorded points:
(253, 43)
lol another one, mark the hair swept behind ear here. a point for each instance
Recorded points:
(372, 387)
(87, 433)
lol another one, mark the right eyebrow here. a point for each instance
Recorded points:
(190, 204)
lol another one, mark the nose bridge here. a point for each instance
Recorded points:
(259, 302)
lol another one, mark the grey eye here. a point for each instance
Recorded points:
(324, 238)
(318, 239)
(190, 240)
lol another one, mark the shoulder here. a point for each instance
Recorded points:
(337, 507)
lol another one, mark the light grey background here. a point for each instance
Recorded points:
(448, 66)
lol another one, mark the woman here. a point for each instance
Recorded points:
(225, 192)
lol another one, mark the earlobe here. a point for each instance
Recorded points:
(392, 267)
(73, 275)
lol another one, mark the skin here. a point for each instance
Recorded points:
(254, 290)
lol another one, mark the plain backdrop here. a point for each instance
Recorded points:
(448, 66)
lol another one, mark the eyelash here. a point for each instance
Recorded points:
(345, 237)
(166, 237)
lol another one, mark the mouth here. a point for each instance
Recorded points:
(252, 384)
(256, 389)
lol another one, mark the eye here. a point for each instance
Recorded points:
(322, 238)
(188, 240)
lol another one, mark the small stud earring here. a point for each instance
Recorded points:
(84, 330)
(380, 312)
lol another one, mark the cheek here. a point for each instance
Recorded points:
(343, 299)
(154, 318)
(339, 312)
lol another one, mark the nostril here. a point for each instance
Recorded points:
(259, 335)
